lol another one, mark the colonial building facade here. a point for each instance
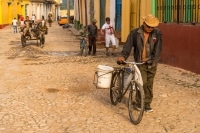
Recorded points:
(15, 8)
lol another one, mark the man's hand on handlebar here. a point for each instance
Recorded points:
(120, 60)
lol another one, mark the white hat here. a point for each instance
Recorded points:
(150, 20)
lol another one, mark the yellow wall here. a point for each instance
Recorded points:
(4, 15)
(9, 10)
(145, 4)
(132, 12)
(125, 16)
(1, 13)
(97, 12)
(107, 12)
(81, 11)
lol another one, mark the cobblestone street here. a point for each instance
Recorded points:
(50, 90)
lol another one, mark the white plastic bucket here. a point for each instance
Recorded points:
(127, 77)
(104, 75)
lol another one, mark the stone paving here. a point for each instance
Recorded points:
(51, 90)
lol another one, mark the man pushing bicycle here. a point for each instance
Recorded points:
(147, 43)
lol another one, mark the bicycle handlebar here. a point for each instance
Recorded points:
(126, 62)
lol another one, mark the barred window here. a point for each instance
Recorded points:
(178, 11)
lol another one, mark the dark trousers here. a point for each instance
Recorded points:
(148, 75)
(15, 28)
(92, 45)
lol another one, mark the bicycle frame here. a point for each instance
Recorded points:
(122, 71)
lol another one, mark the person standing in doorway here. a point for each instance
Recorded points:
(146, 42)
(92, 35)
(108, 31)
(14, 23)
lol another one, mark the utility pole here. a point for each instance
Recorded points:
(68, 11)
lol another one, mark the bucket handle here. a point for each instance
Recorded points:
(104, 73)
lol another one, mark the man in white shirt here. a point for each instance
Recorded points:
(14, 23)
(33, 18)
(108, 30)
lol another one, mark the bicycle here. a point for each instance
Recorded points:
(128, 78)
(84, 48)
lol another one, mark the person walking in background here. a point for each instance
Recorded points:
(50, 18)
(108, 31)
(18, 25)
(33, 17)
(43, 30)
(92, 35)
(22, 20)
(146, 42)
(14, 23)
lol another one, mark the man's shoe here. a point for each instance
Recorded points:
(148, 109)
(138, 107)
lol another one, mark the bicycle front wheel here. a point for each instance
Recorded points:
(85, 51)
(136, 103)
(115, 88)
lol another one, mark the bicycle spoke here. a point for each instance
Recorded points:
(115, 89)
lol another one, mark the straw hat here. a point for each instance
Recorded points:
(94, 20)
(150, 20)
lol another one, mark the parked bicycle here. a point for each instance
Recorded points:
(126, 78)
(84, 48)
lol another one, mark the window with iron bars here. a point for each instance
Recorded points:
(178, 11)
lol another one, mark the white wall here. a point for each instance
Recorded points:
(112, 12)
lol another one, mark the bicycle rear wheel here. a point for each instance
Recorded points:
(136, 106)
(115, 91)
